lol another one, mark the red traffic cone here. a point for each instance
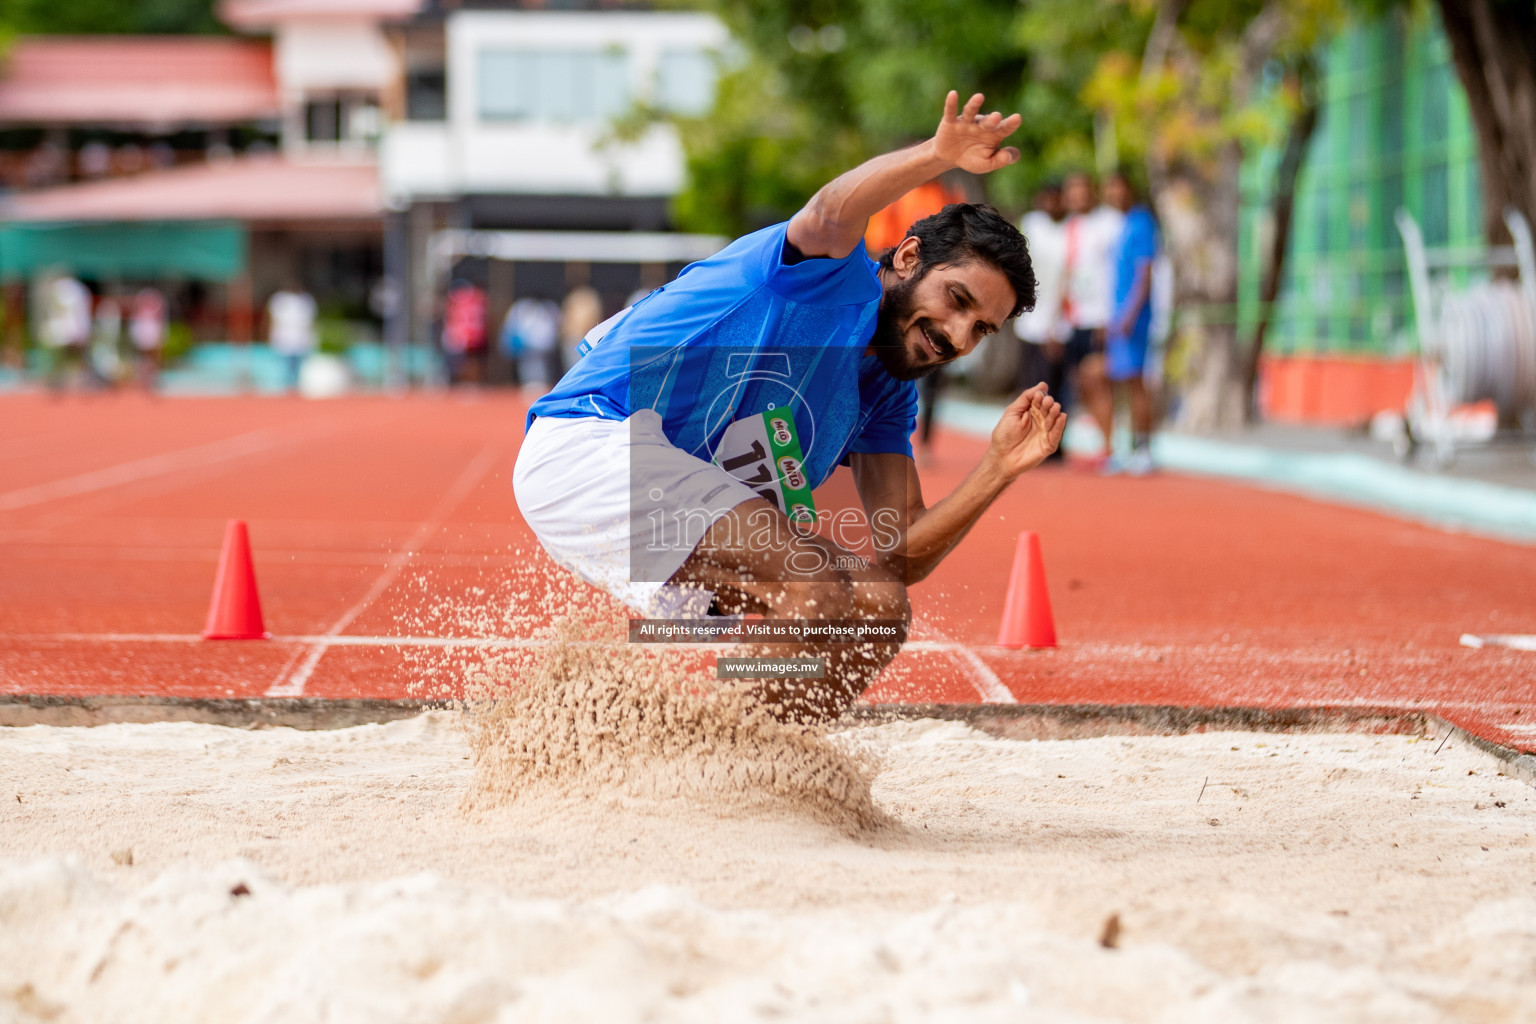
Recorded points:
(235, 613)
(1027, 618)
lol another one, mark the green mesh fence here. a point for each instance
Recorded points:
(1393, 131)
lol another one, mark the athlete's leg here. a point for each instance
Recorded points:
(1141, 407)
(754, 561)
(1098, 396)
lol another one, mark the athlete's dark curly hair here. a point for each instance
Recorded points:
(964, 233)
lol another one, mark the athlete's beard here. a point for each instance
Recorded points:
(889, 341)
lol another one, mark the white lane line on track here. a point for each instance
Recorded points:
(330, 640)
(143, 469)
(985, 681)
(1514, 641)
(292, 680)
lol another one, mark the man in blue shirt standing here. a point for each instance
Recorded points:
(1124, 361)
(673, 465)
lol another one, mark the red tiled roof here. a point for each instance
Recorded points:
(261, 14)
(246, 189)
(154, 80)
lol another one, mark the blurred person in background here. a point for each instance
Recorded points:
(581, 311)
(1091, 235)
(106, 361)
(532, 329)
(1122, 364)
(65, 326)
(291, 313)
(464, 312)
(1043, 330)
(146, 329)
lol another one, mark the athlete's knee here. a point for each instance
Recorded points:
(880, 594)
(830, 596)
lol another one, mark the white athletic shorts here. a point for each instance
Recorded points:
(620, 506)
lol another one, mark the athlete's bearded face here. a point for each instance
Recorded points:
(899, 360)
(931, 317)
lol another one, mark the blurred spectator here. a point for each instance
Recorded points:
(581, 311)
(464, 332)
(65, 329)
(106, 362)
(129, 158)
(94, 160)
(531, 337)
(291, 327)
(146, 329)
(1124, 359)
(1043, 329)
(1092, 233)
(161, 154)
(928, 388)
(47, 164)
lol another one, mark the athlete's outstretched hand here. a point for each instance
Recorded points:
(971, 140)
(1030, 429)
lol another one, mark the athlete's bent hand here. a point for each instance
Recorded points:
(1030, 429)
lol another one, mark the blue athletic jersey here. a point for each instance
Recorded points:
(743, 332)
(1138, 245)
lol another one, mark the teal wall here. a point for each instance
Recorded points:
(201, 251)
(1394, 131)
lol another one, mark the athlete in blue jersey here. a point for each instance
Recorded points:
(674, 464)
(1124, 359)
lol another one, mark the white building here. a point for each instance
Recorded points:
(334, 66)
(530, 101)
(500, 156)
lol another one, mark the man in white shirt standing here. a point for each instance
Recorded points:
(146, 327)
(1043, 330)
(65, 327)
(291, 327)
(1091, 235)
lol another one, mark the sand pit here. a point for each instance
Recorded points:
(196, 873)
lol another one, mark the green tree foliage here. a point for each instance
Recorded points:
(820, 84)
(89, 17)
(1181, 87)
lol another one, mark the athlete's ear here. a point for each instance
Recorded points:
(906, 257)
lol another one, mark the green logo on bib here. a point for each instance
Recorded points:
(764, 453)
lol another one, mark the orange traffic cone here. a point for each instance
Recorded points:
(1027, 618)
(235, 613)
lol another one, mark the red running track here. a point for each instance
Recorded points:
(380, 517)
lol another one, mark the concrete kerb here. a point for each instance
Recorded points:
(1009, 721)
(1516, 763)
(1342, 477)
(307, 713)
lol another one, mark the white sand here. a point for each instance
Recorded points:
(1318, 878)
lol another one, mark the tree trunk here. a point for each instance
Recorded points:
(1493, 43)
(1297, 137)
(1198, 204)
(1199, 213)
(1160, 44)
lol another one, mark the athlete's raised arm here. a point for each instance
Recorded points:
(833, 222)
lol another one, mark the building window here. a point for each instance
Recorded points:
(685, 82)
(322, 120)
(552, 85)
(426, 94)
(343, 117)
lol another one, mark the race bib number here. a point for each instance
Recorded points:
(763, 452)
